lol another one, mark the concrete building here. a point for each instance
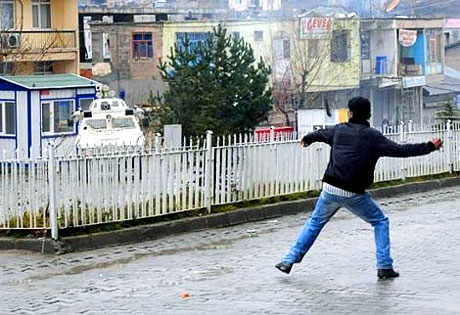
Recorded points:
(125, 56)
(39, 37)
(398, 58)
(264, 5)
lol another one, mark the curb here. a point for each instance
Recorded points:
(218, 220)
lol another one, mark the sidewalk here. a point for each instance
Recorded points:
(231, 270)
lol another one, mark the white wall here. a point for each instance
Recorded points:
(36, 124)
(7, 148)
(8, 95)
(383, 43)
(21, 124)
(66, 93)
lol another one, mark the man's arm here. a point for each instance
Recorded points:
(386, 147)
(322, 135)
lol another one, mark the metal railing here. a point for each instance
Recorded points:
(57, 192)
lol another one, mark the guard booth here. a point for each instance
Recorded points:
(38, 109)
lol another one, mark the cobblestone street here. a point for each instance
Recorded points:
(231, 270)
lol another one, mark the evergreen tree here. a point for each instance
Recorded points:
(215, 86)
(449, 113)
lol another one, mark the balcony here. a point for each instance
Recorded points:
(37, 42)
(410, 70)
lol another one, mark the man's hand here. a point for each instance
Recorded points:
(303, 143)
(437, 143)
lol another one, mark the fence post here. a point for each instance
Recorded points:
(449, 146)
(209, 168)
(272, 134)
(157, 142)
(402, 140)
(52, 191)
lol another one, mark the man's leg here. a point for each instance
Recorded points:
(367, 209)
(325, 208)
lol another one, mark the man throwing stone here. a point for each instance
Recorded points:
(355, 150)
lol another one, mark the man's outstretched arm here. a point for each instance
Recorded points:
(386, 147)
(322, 135)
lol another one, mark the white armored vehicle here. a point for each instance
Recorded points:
(109, 122)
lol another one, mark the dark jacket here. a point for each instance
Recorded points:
(355, 149)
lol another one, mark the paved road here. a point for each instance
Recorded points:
(230, 271)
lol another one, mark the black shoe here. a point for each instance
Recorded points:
(284, 267)
(387, 274)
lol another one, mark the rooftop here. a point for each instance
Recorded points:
(51, 81)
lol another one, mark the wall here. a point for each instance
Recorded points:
(336, 75)
(122, 72)
(453, 57)
(243, 5)
(384, 43)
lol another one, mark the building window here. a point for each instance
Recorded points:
(7, 68)
(6, 14)
(286, 49)
(339, 46)
(258, 36)
(236, 35)
(142, 46)
(7, 118)
(314, 48)
(57, 116)
(432, 45)
(43, 67)
(41, 14)
(366, 45)
(106, 47)
(195, 40)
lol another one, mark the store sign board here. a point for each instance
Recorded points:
(410, 82)
(315, 27)
(407, 38)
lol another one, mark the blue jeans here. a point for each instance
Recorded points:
(362, 206)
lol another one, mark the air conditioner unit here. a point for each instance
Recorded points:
(13, 40)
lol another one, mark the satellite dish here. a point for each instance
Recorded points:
(392, 5)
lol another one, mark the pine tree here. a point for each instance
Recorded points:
(449, 113)
(215, 86)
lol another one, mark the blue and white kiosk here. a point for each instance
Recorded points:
(38, 109)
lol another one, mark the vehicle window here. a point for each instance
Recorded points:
(123, 123)
(97, 123)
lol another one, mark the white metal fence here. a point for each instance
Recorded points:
(109, 185)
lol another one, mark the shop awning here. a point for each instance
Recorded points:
(447, 86)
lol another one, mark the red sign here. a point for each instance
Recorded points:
(407, 38)
(45, 92)
(315, 27)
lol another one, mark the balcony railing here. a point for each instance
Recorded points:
(410, 70)
(37, 41)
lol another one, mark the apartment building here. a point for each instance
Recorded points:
(38, 37)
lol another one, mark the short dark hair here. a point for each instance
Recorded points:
(360, 107)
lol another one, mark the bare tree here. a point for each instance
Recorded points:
(306, 68)
(18, 45)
